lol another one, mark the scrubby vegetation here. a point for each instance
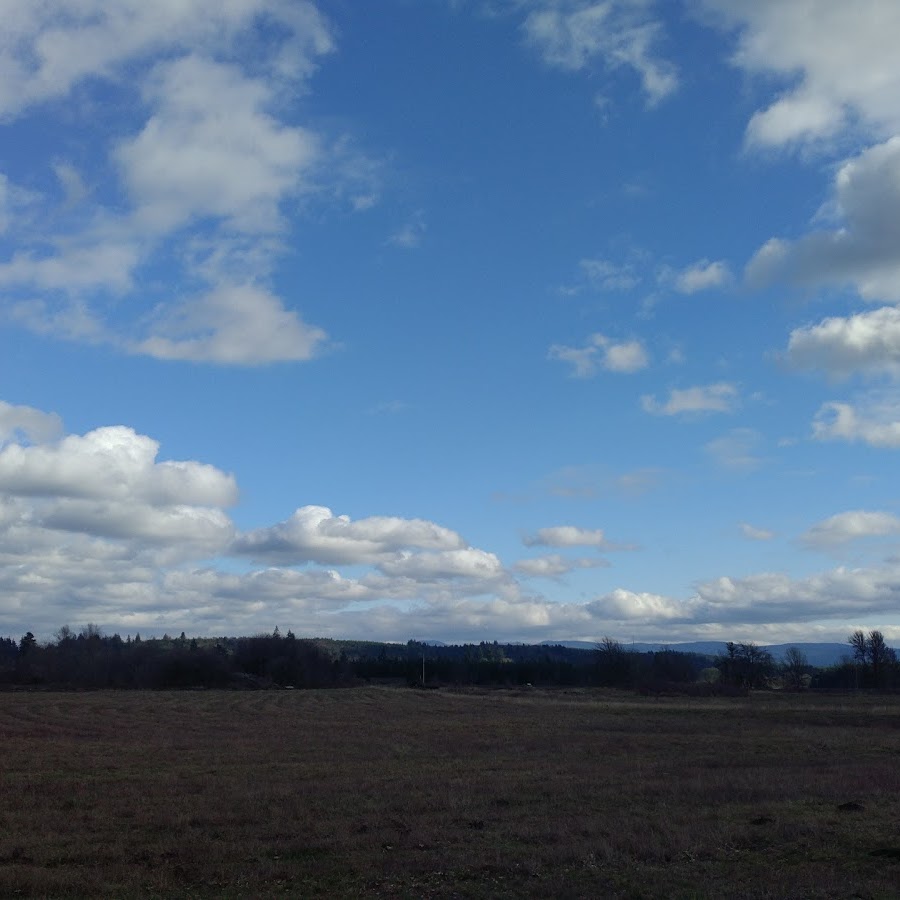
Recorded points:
(90, 659)
(460, 793)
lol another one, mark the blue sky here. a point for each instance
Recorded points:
(473, 320)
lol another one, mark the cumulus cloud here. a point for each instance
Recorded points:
(840, 346)
(553, 565)
(432, 565)
(875, 420)
(95, 519)
(850, 526)
(166, 525)
(33, 425)
(567, 536)
(864, 250)
(602, 352)
(111, 463)
(97, 526)
(212, 149)
(235, 324)
(702, 276)
(219, 150)
(623, 605)
(838, 62)
(52, 46)
(764, 599)
(315, 534)
(628, 356)
(721, 397)
(841, 78)
(79, 264)
(574, 34)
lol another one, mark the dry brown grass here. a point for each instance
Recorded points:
(379, 792)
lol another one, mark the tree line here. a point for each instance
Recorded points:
(89, 659)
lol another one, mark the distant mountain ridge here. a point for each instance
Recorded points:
(817, 654)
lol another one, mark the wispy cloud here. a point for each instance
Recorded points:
(555, 566)
(614, 33)
(752, 533)
(602, 352)
(721, 397)
(410, 235)
(736, 450)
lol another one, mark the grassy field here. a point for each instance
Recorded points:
(379, 792)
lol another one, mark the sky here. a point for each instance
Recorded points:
(457, 320)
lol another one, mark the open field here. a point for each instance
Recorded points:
(380, 792)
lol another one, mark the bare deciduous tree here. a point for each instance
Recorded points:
(795, 666)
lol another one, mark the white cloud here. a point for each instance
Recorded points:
(721, 397)
(211, 149)
(864, 250)
(81, 263)
(603, 275)
(623, 605)
(50, 47)
(70, 180)
(98, 517)
(219, 151)
(874, 421)
(567, 536)
(553, 565)
(752, 533)
(431, 565)
(24, 421)
(582, 359)
(838, 61)
(768, 601)
(601, 352)
(72, 321)
(702, 276)
(169, 525)
(850, 526)
(234, 325)
(411, 234)
(736, 450)
(865, 342)
(573, 35)
(315, 534)
(640, 481)
(5, 204)
(627, 357)
(113, 463)
(95, 527)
